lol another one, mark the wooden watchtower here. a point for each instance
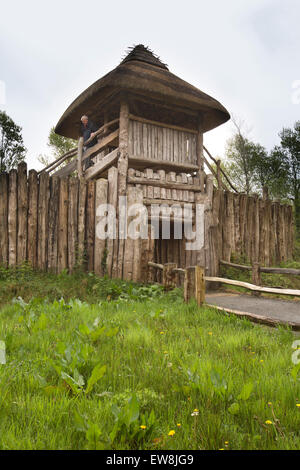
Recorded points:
(150, 149)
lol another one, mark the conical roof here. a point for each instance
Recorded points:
(141, 72)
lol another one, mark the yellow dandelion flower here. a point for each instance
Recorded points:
(143, 426)
(178, 424)
(261, 360)
(268, 422)
(210, 332)
(226, 443)
(162, 332)
(269, 403)
(196, 410)
(221, 449)
(298, 404)
(171, 433)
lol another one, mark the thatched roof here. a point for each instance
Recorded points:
(141, 73)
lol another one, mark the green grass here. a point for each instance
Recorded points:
(163, 360)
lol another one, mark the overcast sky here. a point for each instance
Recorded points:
(245, 53)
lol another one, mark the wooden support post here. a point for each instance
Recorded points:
(169, 276)
(3, 219)
(256, 277)
(219, 179)
(194, 284)
(79, 157)
(200, 159)
(122, 179)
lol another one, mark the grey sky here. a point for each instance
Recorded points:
(245, 53)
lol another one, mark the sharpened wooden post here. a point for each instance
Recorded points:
(194, 284)
(256, 277)
(169, 276)
(79, 157)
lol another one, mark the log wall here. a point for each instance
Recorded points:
(50, 222)
(161, 143)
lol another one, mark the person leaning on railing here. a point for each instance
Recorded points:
(87, 130)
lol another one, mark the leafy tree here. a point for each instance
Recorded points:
(289, 153)
(59, 145)
(12, 150)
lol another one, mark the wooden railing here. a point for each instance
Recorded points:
(81, 156)
(194, 281)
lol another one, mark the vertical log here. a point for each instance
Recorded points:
(194, 284)
(43, 221)
(53, 224)
(63, 225)
(32, 217)
(100, 243)
(82, 203)
(79, 157)
(129, 243)
(200, 160)
(22, 213)
(256, 277)
(112, 244)
(122, 177)
(90, 224)
(12, 218)
(136, 272)
(169, 276)
(72, 223)
(4, 219)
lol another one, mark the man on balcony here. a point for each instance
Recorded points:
(87, 130)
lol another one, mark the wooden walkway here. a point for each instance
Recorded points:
(264, 310)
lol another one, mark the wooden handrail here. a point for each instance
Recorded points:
(222, 171)
(262, 269)
(101, 130)
(247, 285)
(59, 160)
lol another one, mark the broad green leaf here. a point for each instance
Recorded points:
(96, 375)
(246, 391)
(234, 408)
(133, 409)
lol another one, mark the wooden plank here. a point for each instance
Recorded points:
(161, 124)
(22, 213)
(99, 167)
(53, 224)
(32, 218)
(72, 223)
(144, 162)
(100, 243)
(43, 204)
(137, 261)
(4, 219)
(63, 225)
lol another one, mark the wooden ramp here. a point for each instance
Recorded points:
(264, 310)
